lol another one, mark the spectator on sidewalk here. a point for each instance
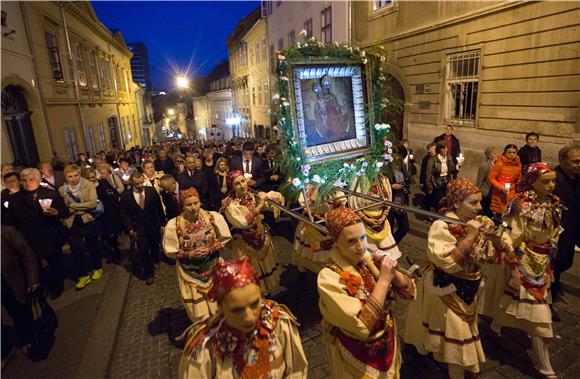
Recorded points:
(530, 152)
(440, 171)
(423, 173)
(53, 179)
(36, 212)
(505, 174)
(142, 217)
(482, 182)
(85, 230)
(400, 180)
(452, 143)
(568, 190)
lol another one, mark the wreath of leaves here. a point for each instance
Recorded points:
(328, 174)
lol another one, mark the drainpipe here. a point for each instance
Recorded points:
(38, 81)
(76, 85)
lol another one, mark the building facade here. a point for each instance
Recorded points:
(145, 114)
(140, 64)
(238, 58)
(83, 80)
(201, 116)
(224, 122)
(494, 70)
(258, 79)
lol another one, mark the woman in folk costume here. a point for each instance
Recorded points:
(377, 226)
(244, 211)
(443, 319)
(195, 238)
(520, 293)
(249, 338)
(355, 302)
(310, 245)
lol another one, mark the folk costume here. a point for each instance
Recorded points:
(311, 247)
(443, 319)
(217, 350)
(520, 290)
(253, 238)
(182, 236)
(360, 333)
(377, 225)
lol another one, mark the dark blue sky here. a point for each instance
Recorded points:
(179, 35)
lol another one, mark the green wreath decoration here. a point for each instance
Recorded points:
(329, 174)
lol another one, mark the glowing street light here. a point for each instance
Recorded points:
(182, 82)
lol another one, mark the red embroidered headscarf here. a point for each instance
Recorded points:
(232, 274)
(232, 175)
(187, 193)
(532, 172)
(338, 219)
(457, 191)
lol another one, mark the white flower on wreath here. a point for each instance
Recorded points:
(281, 57)
(276, 97)
(365, 164)
(285, 78)
(286, 104)
(356, 49)
(317, 179)
(312, 39)
(382, 58)
(298, 44)
(296, 182)
(336, 44)
(305, 169)
(388, 144)
(379, 164)
(305, 45)
(364, 61)
(363, 53)
(303, 33)
(320, 44)
(339, 183)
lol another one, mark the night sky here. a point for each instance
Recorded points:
(179, 36)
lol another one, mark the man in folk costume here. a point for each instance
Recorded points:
(355, 302)
(243, 210)
(195, 238)
(520, 291)
(375, 219)
(249, 337)
(443, 319)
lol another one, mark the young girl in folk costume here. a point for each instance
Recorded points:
(310, 250)
(443, 319)
(355, 302)
(520, 292)
(377, 226)
(248, 338)
(195, 238)
(244, 211)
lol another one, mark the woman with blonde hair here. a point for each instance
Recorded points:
(80, 195)
(218, 183)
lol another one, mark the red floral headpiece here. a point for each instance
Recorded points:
(339, 218)
(232, 175)
(532, 172)
(232, 274)
(187, 193)
(457, 191)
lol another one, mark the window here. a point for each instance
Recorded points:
(462, 86)
(280, 43)
(80, 66)
(125, 77)
(54, 56)
(308, 28)
(90, 140)
(259, 95)
(326, 29)
(266, 97)
(278, 3)
(291, 37)
(134, 127)
(93, 70)
(257, 50)
(70, 143)
(106, 74)
(101, 135)
(380, 4)
(253, 96)
(128, 127)
(264, 50)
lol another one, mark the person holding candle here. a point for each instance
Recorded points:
(125, 171)
(357, 288)
(243, 210)
(452, 143)
(195, 238)
(440, 170)
(503, 177)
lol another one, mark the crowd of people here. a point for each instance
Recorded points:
(192, 202)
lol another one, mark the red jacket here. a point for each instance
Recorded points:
(504, 171)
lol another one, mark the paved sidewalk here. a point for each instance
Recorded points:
(153, 316)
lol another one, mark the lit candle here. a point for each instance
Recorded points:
(125, 177)
(44, 184)
(90, 160)
(507, 186)
(116, 169)
(411, 156)
(248, 176)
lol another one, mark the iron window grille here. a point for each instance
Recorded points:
(54, 57)
(309, 29)
(462, 87)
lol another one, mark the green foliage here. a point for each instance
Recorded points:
(328, 174)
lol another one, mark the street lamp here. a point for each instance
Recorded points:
(182, 82)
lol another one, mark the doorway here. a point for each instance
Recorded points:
(397, 119)
(19, 126)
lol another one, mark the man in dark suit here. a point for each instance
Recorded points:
(50, 179)
(164, 163)
(568, 190)
(142, 217)
(193, 177)
(250, 164)
(453, 147)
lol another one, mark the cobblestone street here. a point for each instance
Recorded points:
(153, 317)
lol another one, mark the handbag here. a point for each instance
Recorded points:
(45, 323)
